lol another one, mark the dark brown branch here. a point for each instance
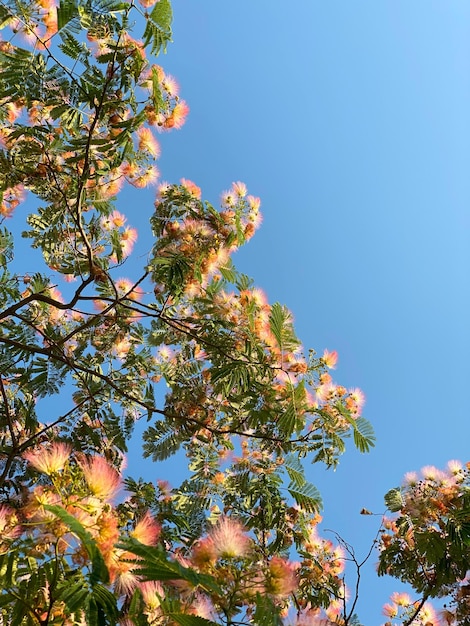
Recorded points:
(415, 614)
(41, 297)
(8, 414)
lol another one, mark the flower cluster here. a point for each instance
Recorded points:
(121, 146)
(85, 487)
(427, 544)
(402, 609)
(201, 238)
(81, 108)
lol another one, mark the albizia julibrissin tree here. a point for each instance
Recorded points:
(83, 350)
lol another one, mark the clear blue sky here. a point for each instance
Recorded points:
(351, 120)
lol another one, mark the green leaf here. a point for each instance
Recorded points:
(157, 98)
(190, 620)
(229, 272)
(287, 420)
(307, 497)
(153, 565)
(266, 612)
(161, 441)
(394, 500)
(99, 570)
(6, 598)
(295, 470)
(280, 324)
(66, 11)
(234, 375)
(158, 28)
(106, 602)
(73, 595)
(5, 16)
(364, 437)
(277, 319)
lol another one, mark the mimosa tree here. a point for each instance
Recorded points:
(82, 102)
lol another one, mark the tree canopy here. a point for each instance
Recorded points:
(86, 352)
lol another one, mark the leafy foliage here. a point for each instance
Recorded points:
(187, 343)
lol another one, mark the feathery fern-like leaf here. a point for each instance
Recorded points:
(307, 497)
(158, 28)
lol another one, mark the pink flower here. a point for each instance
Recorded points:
(202, 607)
(102, 479)
(355, 400)
(428, 615)
(9, 527)
(122, 573)
(204, 553)
(128, 239)
(114, 220)
(121, 347)
(229, 538)
(455, 467)
(255, 218)
(254, 202)
(125, 287)
(228, 199)
(411, 479)
(431, 473)
(170, 85)
(239, 189)
(176, 118)
(147, 530)
(401, 599)
(146, 177)
(330, 359)
(324, 391)
(148, 142)
(148, 3)
(49, 460)
(152, 593)
(390, 610)
(193, 189)
(281, 577)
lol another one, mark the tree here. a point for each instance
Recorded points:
(81, 100)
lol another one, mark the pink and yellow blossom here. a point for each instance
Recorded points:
(239, 189)
(114, 220)
(204, 553)
(49, 460)
(330, 359)
(281, 578)
(147, 530)
(102, 479)
(230, 539)
(400, 599)
(148, 142)
(193, 189)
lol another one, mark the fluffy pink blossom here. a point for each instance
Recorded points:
(102, 479)
(49, 460)
(401, 599)
(239, 189)
(193, 189)
(229, 538)
(330, 359)
(114, 220)
(281, 577)
(148, 3)
(148, 142)
(147, 530)
(9, 527)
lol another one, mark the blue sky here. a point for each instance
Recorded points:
(351, 121)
